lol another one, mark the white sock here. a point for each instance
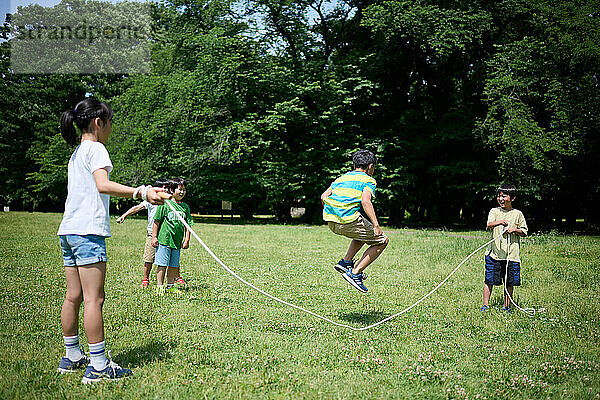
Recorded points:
(98, 356)
(73, 352)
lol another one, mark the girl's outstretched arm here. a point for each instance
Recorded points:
(106, 186)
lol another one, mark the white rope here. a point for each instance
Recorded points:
(308, 311)
(529, 311)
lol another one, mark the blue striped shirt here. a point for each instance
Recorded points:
(343, 205)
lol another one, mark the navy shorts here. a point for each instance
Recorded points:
(495, 271)
(80, 250)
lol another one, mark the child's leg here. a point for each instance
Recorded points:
(355, 246)
(172, 274)
(147, 270)
(509, 289)
(487, 293)
(69, 315)
(160, 275)
(92, 278)
(369, 256)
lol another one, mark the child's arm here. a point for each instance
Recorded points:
(367, 205)
(496, 223)
(106, 186)
(325, 195)
(132, 210)
(155, 229)
(186, 239)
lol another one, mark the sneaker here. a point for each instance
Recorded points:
(174, 291)
(145, 283)
(66, 366)
(160, 290)
(180, 281)
(355, 280)
(112, 371)
(506, 310)
(484, 308)
(343, 265)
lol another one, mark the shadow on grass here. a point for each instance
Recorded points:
(364, 318)
(147, 353)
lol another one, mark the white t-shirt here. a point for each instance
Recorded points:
(86, 210)
(151, 211)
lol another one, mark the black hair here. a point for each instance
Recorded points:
(175, 183)
(81, 115)
(507, 189)
(161, 182)
(363, 158)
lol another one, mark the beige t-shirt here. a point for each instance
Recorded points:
(499, 247)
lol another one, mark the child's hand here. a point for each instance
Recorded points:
(154, 242)
(511, 230)
(120, 219)
(156, 196)
(185, 244)
(377, 230)
(504, 222)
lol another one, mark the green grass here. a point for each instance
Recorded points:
(224, 340)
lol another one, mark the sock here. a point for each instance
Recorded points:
(98, 356)
(73, 352)
(169, 285)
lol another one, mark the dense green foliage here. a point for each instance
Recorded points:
(223, 340)
(261, 102)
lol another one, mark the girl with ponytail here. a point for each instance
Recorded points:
(82, 232)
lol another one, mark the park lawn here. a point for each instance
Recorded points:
(224, 340)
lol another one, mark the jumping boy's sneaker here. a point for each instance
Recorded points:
(112, 371)
(66, 366)
(355, 280)
(180, 281)
(506, 310)
(343, 265)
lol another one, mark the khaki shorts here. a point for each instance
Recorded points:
(360, 229)
(149, 249)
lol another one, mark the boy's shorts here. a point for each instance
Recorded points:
(79, 250)
(495, 271)
(149, 250)
(359, 229)
(167, 256)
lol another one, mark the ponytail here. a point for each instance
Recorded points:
(82, 115)
(67, 129)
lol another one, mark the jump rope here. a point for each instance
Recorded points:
(530, 312)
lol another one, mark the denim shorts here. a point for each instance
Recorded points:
(81, 250)
(166, 256)
(495, 272)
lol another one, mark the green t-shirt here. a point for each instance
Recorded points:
(172, 229)
(498, 249)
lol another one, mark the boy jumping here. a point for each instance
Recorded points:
(341, 209)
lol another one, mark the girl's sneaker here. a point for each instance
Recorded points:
(145, 283)
(484, 308)
(66, 366)
(180, 281)
(112, 371)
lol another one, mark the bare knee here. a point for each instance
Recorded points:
(96, 300)
(74, 297)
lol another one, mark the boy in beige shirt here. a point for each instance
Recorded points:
(498, 255)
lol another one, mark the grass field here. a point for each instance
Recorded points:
(224, 340)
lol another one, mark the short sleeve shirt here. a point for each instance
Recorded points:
(172, 229)
(343, 206)
(151, 211)
(86, 209)
(498, 249)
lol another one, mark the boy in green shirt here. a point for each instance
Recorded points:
(498, 255)
(169, 236)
